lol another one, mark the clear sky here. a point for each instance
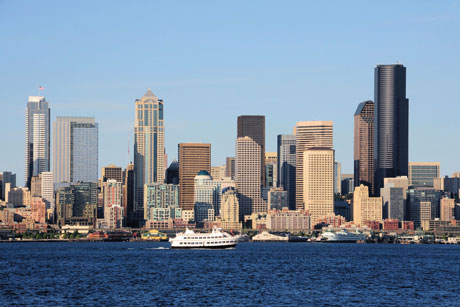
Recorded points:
(211, 61)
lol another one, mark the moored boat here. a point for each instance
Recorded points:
(342, 236)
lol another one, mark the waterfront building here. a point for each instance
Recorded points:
(207, 191)
(423, 204)
(253, 126)
(229, 210)
(447, 209)
(37, 130)
(394, 203)
(248, 178)
(318, 182)
(422, 174)
(47, 189)
(38, 208)
(391, 123)
(337, 178)
(76, 204)
(230, 167)
(193, 158)
(149, 148)
(113, 206)
(6, 177)
(365, 208)
(309, 134)
(277, 199)
(286, 145)
(288, 220)
(364, 145)
(75, 149)
(161, 202)
(218, 172)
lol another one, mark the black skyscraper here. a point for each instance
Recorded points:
(391, 126)
(253, 126)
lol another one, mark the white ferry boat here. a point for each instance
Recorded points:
(342, 236)
(215, 239)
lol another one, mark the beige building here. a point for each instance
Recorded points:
(229, 209)
(309, 134)
(36, 186)
(248, 177)
(218, 172)
(18, 196)
(366, 208)
(318, 182)
(188, 215)
(288, 220)
(398, 182)
(447, 209)
(193, 158)
(113, 206)
(149, 147)
(47, 187)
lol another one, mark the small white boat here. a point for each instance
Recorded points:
(215, 239)
(268, 237)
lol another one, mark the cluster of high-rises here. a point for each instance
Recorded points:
(297, 188)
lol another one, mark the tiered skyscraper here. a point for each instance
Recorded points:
(364, 145)
(75, 149)
(309, 134)
(391, 123)
(37, 147)
(149, 150)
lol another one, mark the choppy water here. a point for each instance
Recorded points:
(279, 274)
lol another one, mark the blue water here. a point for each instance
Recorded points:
(278, 274)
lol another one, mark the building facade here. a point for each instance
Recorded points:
(161, 202)
(76, 204)
(364, 145)
(253, 126)
(230, 167)
(193, 158)
(113, 205)
(149, 148)
(75, 149)
(318, 182)
(47, 189)
(366, 209)
(394, 203)
(37, 130)
(286, 145)
(447, 209)
(391, 123)
(207, 196)
(6, 177)
(309, 134)
(229, 210)
(423, 174)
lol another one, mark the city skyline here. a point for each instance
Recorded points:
(311, 83)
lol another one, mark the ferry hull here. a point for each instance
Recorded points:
(204, 247)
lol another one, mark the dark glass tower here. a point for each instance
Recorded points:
(391, 124)
(253, 126)
(287, 166)
(364, 145)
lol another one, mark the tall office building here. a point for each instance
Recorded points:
(271, 169)
(253, 126)
(318, 182)
(75, 149)
(309, 134)
(423, 204)
(128, 193)
(287, 166)
(422, 174)
(113, 207)
(47, 186)
(229, 210)
(366, 208)
(394, 203)
(364, 145)
(447, 208)
(149, 148)
(391, 124)
(230, 167)
(37, 151)
(248, 179)
(337, 178)
(193, 158)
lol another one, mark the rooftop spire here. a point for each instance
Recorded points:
(149, 93)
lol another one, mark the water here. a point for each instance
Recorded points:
(278, 274)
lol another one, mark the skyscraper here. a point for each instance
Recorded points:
(318, 182)
(248, 179)
(308, 135)
(47, 186)
(364, 145)
(149, 147)
(37, 151)
(229, 211)
(366, 208)
(75, 149)
(193, 158)
(391, 124)
(253, 126)
(287, 166)
(128, 193)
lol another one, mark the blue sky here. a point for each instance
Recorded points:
(211, 61)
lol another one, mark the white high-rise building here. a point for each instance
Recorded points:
(37, 145)
(48, 189)
(113, 209)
